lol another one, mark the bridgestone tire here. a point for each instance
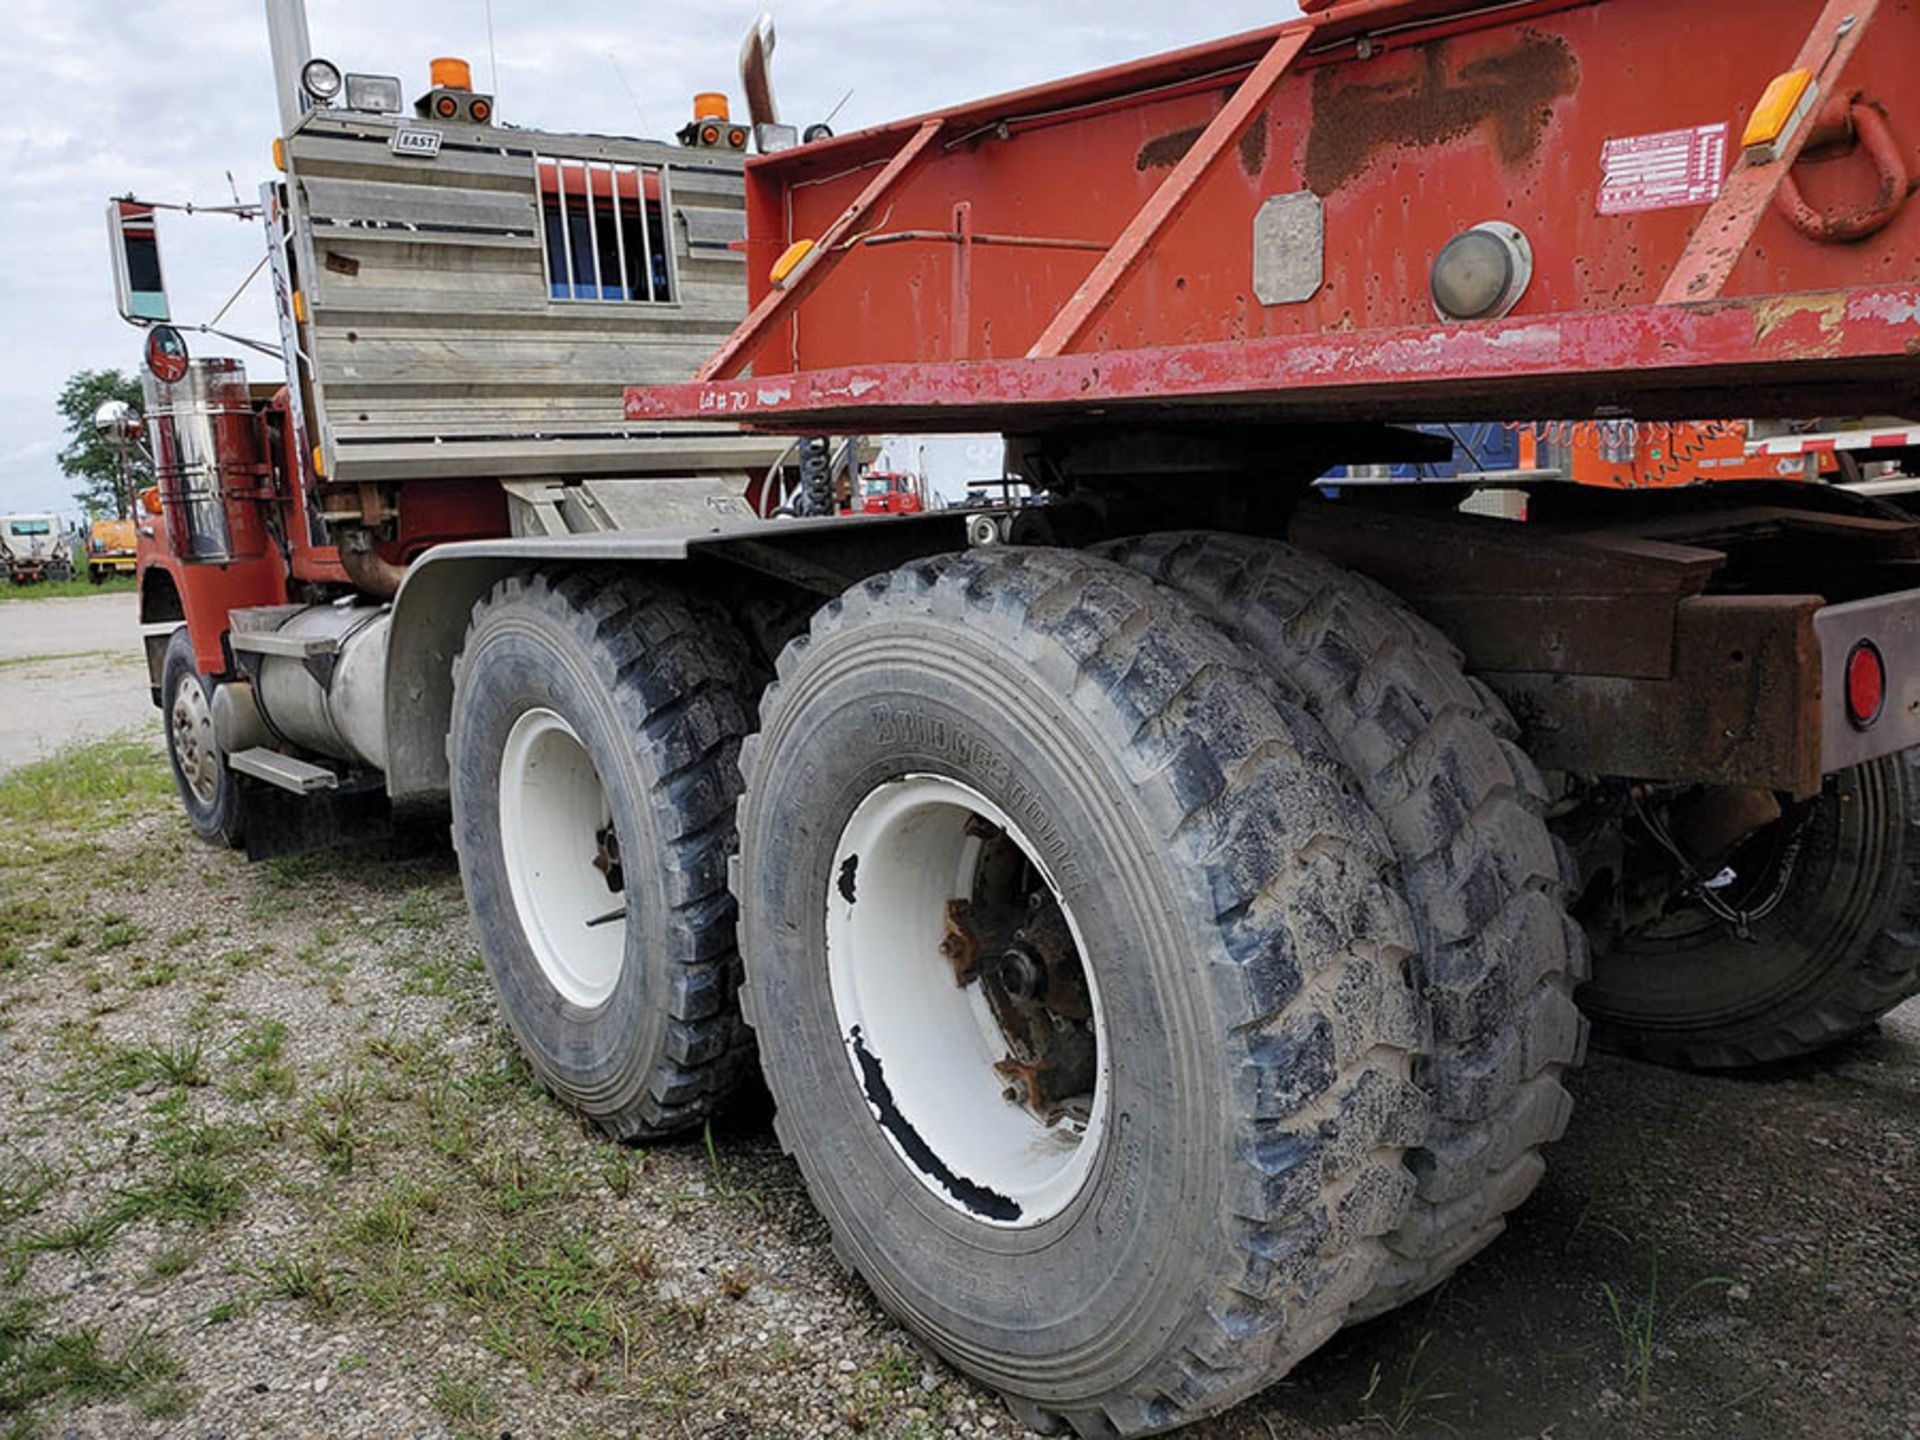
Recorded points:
(656, 689)
(1433, 754)
(1842, 949)
(216, 818)
(1238, 915)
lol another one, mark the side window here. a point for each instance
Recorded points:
(603, 231)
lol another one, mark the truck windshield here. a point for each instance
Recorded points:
(31, 527)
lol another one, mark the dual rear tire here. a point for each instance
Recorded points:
(1223, 1044)
(1083, 970)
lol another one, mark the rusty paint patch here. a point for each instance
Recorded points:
(1253, 147)
(1163, 152)
(1512, 93)
(1828, 314)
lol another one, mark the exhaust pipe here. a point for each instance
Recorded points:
(756, 72)
(291, 49)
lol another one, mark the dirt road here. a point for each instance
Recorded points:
(70, 670)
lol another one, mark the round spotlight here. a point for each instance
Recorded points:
(1482, 273)
(320, 79)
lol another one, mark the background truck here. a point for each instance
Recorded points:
(112, 549)
(1165, 915)
(35, 548)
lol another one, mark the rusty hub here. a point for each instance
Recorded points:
(1012, 939)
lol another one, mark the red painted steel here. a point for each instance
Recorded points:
(1412, 120)
(1723, 235)
(1856, 342)
(778, 303)
(1170, 201)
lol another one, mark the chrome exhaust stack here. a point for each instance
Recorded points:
(756, 72)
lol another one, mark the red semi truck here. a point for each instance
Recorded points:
(1165, 915)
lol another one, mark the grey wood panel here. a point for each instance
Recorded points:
(398, 203)
(440, 350)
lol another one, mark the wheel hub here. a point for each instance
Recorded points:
(972, 1023)
(194, 750)
(562, 858)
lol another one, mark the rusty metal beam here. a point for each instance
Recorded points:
(1169, 200)
(1725, 231)
(781, 301)
(1742, 706)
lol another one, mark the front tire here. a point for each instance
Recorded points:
(209, 790)
(1839, 950)
(594, 769)
(1036, 774)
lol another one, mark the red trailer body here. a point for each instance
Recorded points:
(1099, 240)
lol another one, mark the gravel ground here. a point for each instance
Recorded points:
(79, 660)
(270, 1166)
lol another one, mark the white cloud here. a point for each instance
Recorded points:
(169, 97)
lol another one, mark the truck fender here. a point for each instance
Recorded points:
(820, 556)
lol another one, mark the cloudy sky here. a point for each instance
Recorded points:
(169, 98)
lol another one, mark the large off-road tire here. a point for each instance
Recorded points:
(1840, 950)
(1046, 735)
(1433, 754)
(594, 763)
(209, 790)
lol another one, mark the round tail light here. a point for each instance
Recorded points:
(1866, 684)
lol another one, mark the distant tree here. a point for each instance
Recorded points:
(94, 459)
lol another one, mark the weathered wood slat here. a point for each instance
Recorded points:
(379, 202)
(511, 459)
(452, 239)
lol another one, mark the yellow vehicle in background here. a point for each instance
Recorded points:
(110, 550)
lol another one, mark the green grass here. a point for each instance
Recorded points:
(1396, 1403)
(22, 1188)
(464, 1400)
(66, 589)
(39, 1367)
(1640, 1318)
(299, 1277)
(85, 787)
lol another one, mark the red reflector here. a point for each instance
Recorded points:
(1866, 684)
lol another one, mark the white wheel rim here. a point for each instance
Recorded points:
(194, 750)
(924, 1047)
(553, 817)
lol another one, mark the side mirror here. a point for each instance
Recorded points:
(118, 420)
(139, 289)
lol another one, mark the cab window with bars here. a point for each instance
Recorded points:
(603, 232)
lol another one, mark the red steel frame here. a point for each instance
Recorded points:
(1085, 249)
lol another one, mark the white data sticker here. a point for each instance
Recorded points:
(1661, 171)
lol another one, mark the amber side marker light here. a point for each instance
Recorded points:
(1866, 684)
(1783, 105)
(789, 261)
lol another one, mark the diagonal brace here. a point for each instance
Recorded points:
(779, 303)
(1170, 200)
(1725, 231)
